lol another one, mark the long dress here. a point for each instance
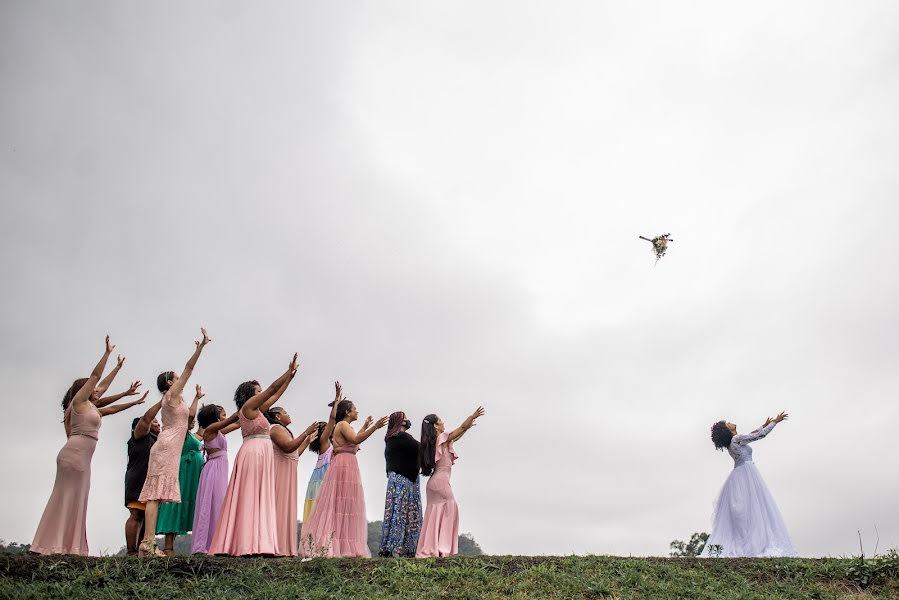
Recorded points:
(165, 457)
(286, 498)
(210, 494)
(63, 526)
(402, 505)
(248, 524)
(179, 518)
(337, 526)
(745, 519)
(440, 530)
(136, 471)
(315, 481)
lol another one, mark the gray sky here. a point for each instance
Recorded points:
(438, 204)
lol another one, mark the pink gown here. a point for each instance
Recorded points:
(440, 530)
(286, 498)
(337, 526)
(165, 455)
(247, 524)
(63, 526)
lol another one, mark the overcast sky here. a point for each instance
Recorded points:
(438, 203)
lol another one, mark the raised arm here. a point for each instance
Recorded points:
(103, 386)
(274, 397)
(179, 385)
(111, 410)
(192, 411)
(357, 437)
(222, 426)
(252, 406)
(131, 391)
(467, 424)
(143, 426)
(87, 389)
(332, 419)
(758, 434)
(281, 438)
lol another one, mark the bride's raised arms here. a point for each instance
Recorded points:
(762, 431)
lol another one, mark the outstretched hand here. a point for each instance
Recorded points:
(206, 339)
(338, 394)
(367, 423)
(781, 417)
(380, 422)
(312, 430)
(199, 392)
(119, 361)
(142, 398)
(132, 391)
(295, 363)
(109, 346)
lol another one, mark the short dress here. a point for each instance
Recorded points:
(162, 482)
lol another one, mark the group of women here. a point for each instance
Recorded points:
(171, 489)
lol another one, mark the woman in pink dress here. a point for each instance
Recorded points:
(214, 476)
(337, 526)
(63, 526)
(248, 525)
(321, 445)
(161, 484)
(287, 450)
(440, 530)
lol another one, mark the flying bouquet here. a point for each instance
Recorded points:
(659, 244)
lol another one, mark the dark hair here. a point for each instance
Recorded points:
(244, 392)
(721, 435)
(272, 415)
(135, 422)
(343, 409)
(70, 393)
(162, 380)
(427, 449)
(316, 445)
(208, 414)
(395, 424)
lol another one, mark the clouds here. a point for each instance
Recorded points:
(439, 205)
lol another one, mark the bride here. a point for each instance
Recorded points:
(745, 520)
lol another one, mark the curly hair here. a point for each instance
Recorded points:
(244, 392)
(70, 393)
(208, 414)
(721, 435)
(316, 445)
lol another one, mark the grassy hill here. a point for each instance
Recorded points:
(25, 577)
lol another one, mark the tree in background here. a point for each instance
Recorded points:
(13, 547)
(692, 548)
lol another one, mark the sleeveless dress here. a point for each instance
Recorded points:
(248, 524)
(745, 519)
(136, 471)
(165, 456)
(210, 494)
(286, 497)
(179, 518)
(63, 526)
(440, 531)
(337, 526)
(315, 481)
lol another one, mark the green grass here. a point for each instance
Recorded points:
(25, 577)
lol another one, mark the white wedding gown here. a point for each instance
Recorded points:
(745, 519)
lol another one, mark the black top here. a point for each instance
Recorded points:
(401, 453)
(138, 461)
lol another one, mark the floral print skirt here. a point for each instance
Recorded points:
(402, 517)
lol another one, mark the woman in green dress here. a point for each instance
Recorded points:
(176, 518)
